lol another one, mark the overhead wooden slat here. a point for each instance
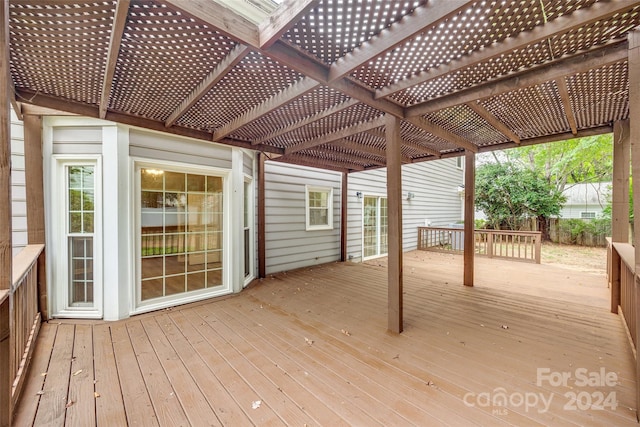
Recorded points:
(315, 163)
(421, 18)
(367, 149)
(332, 149)
(119, 22)
(307, 120)
(223, 18)
(230, 61)
(289, 94)
(419, 147)
(440, 132)
(283, 18)
(579, 63)
(493, 121)
(580, 18)
(339, 134)
(566, 103)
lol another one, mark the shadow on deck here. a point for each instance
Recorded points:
(310, 347)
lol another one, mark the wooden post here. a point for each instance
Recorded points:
(262, 266)
(35, 200)
(343, 217)
(620, 190)
(634, 137)
(394, 202)
(489, 244)
(614, 277)
(469, 217)
(5, 218)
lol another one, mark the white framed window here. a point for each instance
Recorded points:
(77, 215)
(375, 227)
(319, 208)
(587, 215)
(248, 221)
(182, 229)
(460, 162)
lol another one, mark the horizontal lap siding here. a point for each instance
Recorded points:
(18, 189)
(435, 185)
(77, 140)
(288, 244)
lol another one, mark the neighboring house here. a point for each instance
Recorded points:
(585, 201)
(173, 227)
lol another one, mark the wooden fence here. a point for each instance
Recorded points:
(19, 324)
(515, 245)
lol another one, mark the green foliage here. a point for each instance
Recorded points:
(508, 194)
(578, 229)
(480, 224)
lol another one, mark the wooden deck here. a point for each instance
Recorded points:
(310, 347)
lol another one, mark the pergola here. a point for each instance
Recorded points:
(337, 84)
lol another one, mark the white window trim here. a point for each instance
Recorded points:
(252, 271)
(60, 261)
(137, 306)
(329, 190)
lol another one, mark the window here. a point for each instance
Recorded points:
(319, 208)
(181, 228)
(460, 162)
(375, 227)
(587, 215)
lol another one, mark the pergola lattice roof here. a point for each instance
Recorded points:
(312, 81)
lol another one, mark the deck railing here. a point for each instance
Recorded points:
(515, 245)
(19, 321)
(621, 274)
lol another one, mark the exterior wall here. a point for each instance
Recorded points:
(18, 189)
(118, 147)
(288, 244)
(588, 197)
(437, 201)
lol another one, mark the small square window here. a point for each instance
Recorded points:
(587, 215)
(319, 208)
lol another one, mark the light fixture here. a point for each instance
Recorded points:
(410, 195)
(359, 195)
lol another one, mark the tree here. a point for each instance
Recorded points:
(508, 194)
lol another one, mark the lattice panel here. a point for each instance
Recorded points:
(336, 27)
(346, 118)
(416, 135)
(465, 122)
(530, 112)
(600, 96)
(307, 105)
(480, 25)
(163, 57)
(60, 48)
(341, 154)
(254, 80)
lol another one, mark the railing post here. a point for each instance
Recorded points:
(538, 245)
(489, 244)
(5, 360)
(419, 238)
(614, 275)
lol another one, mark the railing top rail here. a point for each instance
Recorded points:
(23, 262)
(4, 294)
(627, 254)
(477, 230)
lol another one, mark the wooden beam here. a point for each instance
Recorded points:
(575, 64)
(380, 152)
(92, 111)
(344, 200)
(300, 61)
(563, 91)
(356, 158)
(6, 275)
(419, 147)
(469, 219)
(493, 121)
(294, 91)
(307, 120)
(222, 18)
(620, 187)
(34, 182)
(560, 25)
(231, 60)
(634, 136)
(440, 132)
(394, 211)
(282, 19)
(117, 30)
(313, 163)
(409, 26)
(339, 134)
(262, 269)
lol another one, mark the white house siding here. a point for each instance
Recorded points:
(587, 197)
(288, 245)
(437, 200)
(18, 189)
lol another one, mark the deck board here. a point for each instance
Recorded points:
(311, 346)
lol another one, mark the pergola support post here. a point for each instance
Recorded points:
(619, 204)
(469, 217)
(262, 266)
(634, 136)
(6, 254)
(394, 202)
(343, 216)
